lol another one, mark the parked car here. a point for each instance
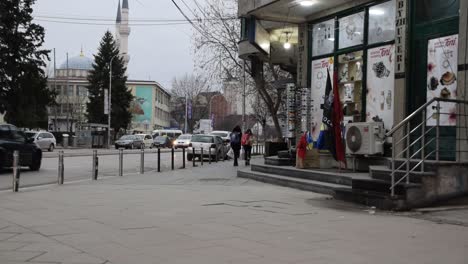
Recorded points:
(43, 139)
(183, 141)
(207, 142)
(129, 141)
(225, 135)
(147, 140)
(12, 139)
(162, 142)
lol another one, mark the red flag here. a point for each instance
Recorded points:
(337, 119)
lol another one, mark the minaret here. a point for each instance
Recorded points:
(124, 31)
(118, 22)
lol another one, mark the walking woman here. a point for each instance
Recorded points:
(247, 145)
(236, 137)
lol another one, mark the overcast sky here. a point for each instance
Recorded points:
(158, 53)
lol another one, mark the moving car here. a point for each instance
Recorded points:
(225, 135)
(129, 141)
(162, 142)
(183, 141)
(12, 139)
(147, 140)
(43, 139)
(172, 133)
(207, 142)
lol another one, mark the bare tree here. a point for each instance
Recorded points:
(217, 34)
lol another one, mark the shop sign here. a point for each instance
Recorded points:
(400, 38)
(442, 57)
(380, 85)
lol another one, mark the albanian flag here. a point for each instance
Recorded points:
(330, 137)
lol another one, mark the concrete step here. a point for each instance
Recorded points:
(369, 198)
(385, 174)
(380, 186)
(301, 184)
(314, 175)
(276, 161)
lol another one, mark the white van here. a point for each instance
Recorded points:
(171, 133)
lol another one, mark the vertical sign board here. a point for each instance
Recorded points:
(319, 82)
(106, 101)
(400, 38)
(442, 69)
(291, 110)
(381, 84)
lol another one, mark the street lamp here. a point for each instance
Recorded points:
(110, 100)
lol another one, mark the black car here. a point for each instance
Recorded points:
(12, 139)
(162, 142)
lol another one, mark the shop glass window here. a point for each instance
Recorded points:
(382, 22)
(323, 38)
(431, 10)
(351, 30)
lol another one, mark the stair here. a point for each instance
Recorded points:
(297, 183)
(385, 173)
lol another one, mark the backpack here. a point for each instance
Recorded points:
(235, 138)
(245, 140)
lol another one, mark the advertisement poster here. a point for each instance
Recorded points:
(380, 85)
(142, 105)
(442, 56)
(351, 30)
(291, 106)
(319, 82)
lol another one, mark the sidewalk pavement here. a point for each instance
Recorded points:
(208, 215)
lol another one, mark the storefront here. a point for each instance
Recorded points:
(360, 44)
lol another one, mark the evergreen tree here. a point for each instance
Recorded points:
(99, 81)
(24, 95)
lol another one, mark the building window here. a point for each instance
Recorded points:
(323, 38)
(382, 22)
(351, 30)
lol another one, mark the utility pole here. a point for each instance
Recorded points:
(243, 102)
(68, 97)
(186, 113)
(55, 89)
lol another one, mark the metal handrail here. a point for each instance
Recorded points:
(406, 152)
(419, 110)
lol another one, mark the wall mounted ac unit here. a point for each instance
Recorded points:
(365, 138)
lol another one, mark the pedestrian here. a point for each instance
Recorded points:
(247, 146)
(236, 137)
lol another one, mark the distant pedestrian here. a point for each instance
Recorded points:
(247, 145)
(236, 137)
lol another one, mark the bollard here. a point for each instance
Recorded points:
(142, 161)
(16, 170)
(193, 157)
(209, 155)
(172, 158)
(201, 156)
(159, 159)
(95, 165)
(183, 158)
(120, 162)
(61, 169)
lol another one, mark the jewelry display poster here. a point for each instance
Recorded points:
(291, 106)
(323, 38)
(381, 85)
(442, 57)
(351, 30)
(382, 22)
(319, 82)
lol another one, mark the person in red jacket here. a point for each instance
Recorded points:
(247, 145)
(301, 151)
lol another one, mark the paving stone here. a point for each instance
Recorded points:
(18, 255)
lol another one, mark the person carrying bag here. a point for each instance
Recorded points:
(247, 146)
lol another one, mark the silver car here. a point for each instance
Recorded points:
(43, 139)
(208, 143)
(183, 141)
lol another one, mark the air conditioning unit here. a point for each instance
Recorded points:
(365, 138)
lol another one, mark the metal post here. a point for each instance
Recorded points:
(183, 158)
(437, 130)
(201, 157)
(172, 158)
(423, 140)
(121, 162)
(209, 155)
(142, 161)
(95, 165)
(61, 169)
(408, 152)
(392, 188)
(159, 159)
(16, 170)
(193, 157)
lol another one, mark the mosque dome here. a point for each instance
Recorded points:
(80, 62)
